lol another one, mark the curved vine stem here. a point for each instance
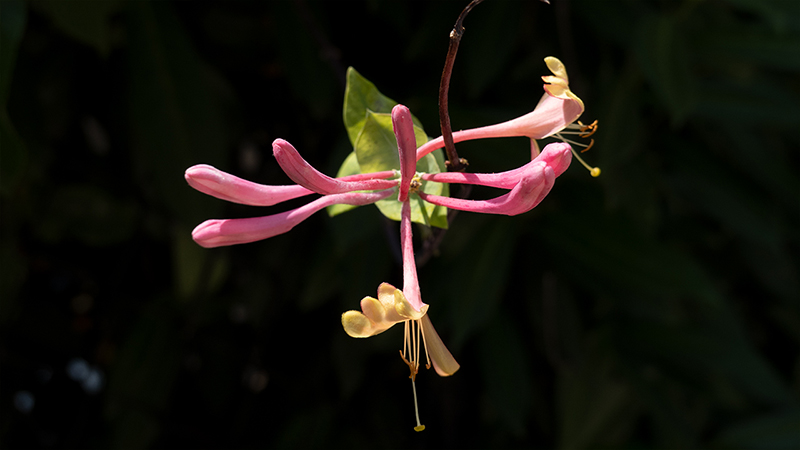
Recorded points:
(454, 163)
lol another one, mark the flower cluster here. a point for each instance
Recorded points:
(526, 186)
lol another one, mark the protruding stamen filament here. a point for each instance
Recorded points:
(411, 343)
(425, 344)
(419, 426)
(585, 131)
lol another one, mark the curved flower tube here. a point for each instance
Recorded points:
(219, 232)
(533, 185)
(509, 178)
(302, 173)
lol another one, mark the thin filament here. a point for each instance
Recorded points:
(419, 426)
(425, 344)
(595, 171)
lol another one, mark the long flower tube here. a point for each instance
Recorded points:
(394, 305)
(224, 186)
(302, 173)
(533, 185)
(406, 148)
(220, 232)
(509, 178)
(212, 181)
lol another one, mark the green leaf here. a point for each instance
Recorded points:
(360, 96)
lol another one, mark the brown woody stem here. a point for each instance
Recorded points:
(454, 163)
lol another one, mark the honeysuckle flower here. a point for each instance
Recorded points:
(529, 184)
(556, 111)
(219, 232)
(212, 181)
(394, 305)
(307, 176)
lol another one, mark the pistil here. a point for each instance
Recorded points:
(411, 344)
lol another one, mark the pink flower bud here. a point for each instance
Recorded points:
(406, 147)
(212, 181)
(219, 232)
(302, 173)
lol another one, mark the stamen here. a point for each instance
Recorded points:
(594, 171)
(414, 329)
(425, 344)
(416, 357)
(405, 341)
(592, 127)
(419, 426)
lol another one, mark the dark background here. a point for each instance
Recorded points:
(657, 306)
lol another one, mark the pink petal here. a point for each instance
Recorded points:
(406, 147)
(219, 232)
(214, 182)
(302, 173)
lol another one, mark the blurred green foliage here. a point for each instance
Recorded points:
(657, 306)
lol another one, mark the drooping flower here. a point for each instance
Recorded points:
(394, 305)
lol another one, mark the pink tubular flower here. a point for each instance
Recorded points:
(220, 232)
(393, 305)
(529, 184)
(305, 175)
(406, 148)
(526, 185)
(212, 181)
(556, 111)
